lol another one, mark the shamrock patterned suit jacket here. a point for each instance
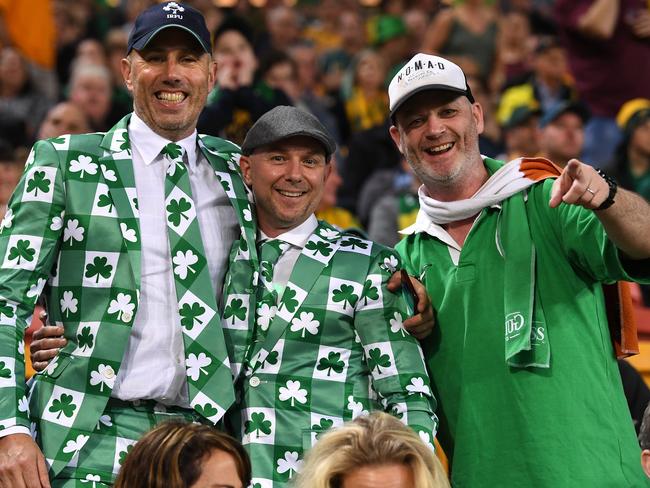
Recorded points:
(72, 229)
(334, 350)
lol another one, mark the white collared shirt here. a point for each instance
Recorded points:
(154, 359)
(297, 238)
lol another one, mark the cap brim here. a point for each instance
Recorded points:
(428, 88)
(144, 40)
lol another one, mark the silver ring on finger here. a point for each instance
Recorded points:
(593, 193)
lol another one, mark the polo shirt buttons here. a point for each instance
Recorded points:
(254, 382)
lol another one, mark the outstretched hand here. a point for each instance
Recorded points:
(421, 324)
(579, 184)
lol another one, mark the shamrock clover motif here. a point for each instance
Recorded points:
(418, 385)
(289, 463)
(196, 363)
(305, 322)
(293, 391)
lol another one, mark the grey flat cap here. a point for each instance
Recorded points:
(283, 122)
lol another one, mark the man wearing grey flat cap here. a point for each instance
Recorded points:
(515, 257)
(128, 233)
(325, 341)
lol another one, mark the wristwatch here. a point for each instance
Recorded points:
(613, 187)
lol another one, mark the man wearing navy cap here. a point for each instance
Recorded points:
(515, 257)
(128, 233)
(561, 132)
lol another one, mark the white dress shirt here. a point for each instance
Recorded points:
(297, 237)
(153, 366)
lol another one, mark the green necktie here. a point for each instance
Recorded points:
(266, 295)
(209, 379)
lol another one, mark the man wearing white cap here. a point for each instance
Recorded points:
(514, 257)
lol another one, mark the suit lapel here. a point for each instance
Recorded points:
(117, 175)
(314, 258)
(224, 159)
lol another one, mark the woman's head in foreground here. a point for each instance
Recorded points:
(183, 455)
(372, 451)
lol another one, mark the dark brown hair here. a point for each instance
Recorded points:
(170, 456)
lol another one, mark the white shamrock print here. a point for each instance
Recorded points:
(52, 366)
(73, 231)
(36, 289)
(32, 430)
(92, 478)
(68, 303)
(195, 365)
(305, 322)
(426, 438)
(128, 234)
(84, 165)
(105, 420)
(396, 324)
(248, 217)
(390, 264)
(109, 174)
(356, 407)
(289, 463)
(417, 386)
(21, 347)
(23, 405)
(293, 391)
(265, 314)
(103, 375)
(329, 234)
(7, 221)
(57, 222)
(75, 445)
(183, 262)
(30, 159)
(122, 306)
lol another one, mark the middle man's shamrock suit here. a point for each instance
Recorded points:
(335, 349)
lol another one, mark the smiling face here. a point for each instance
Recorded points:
(437, 132)
(170, 80)
(287, 179)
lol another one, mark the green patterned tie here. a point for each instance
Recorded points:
(266, 295)
(209, 378)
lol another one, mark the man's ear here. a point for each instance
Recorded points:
(212, 74)
(396, 137)
(477, 113)
(645, 461)
(125, 66)
(245, 166)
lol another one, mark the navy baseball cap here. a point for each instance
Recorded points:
(561, 108)
(165, 15)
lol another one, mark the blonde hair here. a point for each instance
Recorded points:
(171, 456)
(376, 439)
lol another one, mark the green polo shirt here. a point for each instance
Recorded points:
(565, 426)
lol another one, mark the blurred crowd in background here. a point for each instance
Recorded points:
(560, 79)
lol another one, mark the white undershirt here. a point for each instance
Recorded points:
(153, 366)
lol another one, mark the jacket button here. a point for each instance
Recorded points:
(254, 382)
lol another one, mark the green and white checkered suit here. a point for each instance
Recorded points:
(72, 230)
(334, 350)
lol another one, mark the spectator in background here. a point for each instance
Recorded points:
(22, 107)
(636, 392)
(328, 210)
(388, 35)
(91, 51)
(467, 34)
(324, 30)
(184, 455)
(116, 43)
(546, 86)
(520, 133)
(561, 132)
(282, 30)
(63, 118)
(515, 45)
(608, 43)
(237, 100)
(91, 89)
(367, 105)
(328, 109)
(370, 451)
(10, 170)
(644, 441)
(632, 160)
(336, 63)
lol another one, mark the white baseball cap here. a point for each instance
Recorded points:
(426, 72)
